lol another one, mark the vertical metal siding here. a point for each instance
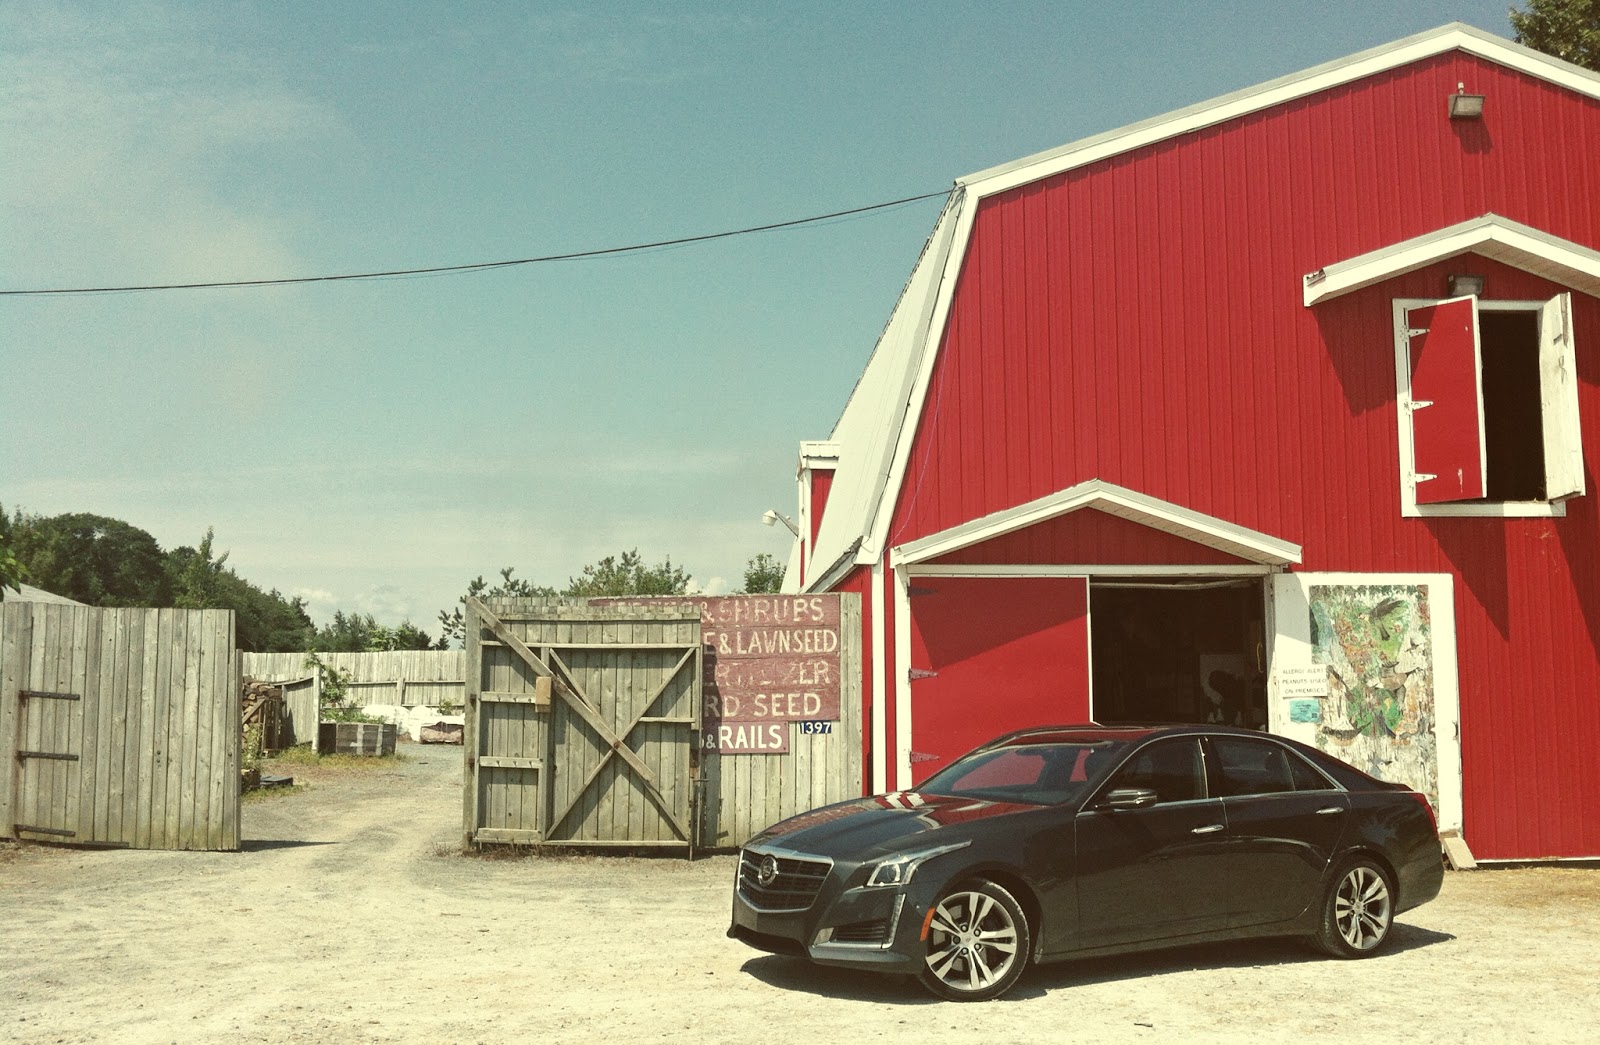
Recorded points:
(1139, 320)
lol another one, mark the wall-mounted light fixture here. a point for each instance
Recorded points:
(1464, 106)
(771, 516)
(1462, 284)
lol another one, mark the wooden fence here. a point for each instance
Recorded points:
(402, 678)
(747, 792)
(119, 726)
(582, 723)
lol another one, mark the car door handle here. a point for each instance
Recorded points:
(1330, 810)
(1206, 830)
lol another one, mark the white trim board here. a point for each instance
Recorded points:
(1098, 570)
(1491, 236)
(1100, 495)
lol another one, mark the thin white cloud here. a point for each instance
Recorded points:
(125, 135)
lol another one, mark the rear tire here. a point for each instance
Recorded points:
(1358, 911)
(978, 942)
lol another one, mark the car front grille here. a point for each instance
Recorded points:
(794, 888)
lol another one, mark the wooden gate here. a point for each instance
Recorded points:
(582, 723)
(119, 726)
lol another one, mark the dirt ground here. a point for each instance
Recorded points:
(351, 915)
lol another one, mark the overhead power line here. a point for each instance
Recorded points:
(480, 266)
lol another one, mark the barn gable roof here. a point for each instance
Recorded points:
(1491, 236)
(1202, 529)
(880, 419)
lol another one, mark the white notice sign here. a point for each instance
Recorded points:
(1298, 682)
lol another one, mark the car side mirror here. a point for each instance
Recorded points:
(1128, 798)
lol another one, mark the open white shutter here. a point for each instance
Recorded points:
(1558, 394)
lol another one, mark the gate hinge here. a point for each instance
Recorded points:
(914, 674)
(46, 754)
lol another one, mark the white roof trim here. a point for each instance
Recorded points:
(1491, 236)
(1115, 500)
(819, 450)
(876, 414)
(1456, 36)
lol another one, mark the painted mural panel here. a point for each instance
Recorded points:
(1379, 715)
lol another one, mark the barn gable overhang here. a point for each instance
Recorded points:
(1491, 236)
(880, 422)
(1208, 531)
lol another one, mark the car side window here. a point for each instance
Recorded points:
(1170, 768)
(1253, 767)
(1306, 778)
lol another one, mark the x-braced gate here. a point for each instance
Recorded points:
(582, 723)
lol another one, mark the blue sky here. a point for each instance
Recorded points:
(373, 445)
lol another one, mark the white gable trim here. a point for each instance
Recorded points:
(1491, 236)
(1456, 36)
(1115, 500)
(930, 334)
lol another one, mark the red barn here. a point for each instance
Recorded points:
(1274, 411)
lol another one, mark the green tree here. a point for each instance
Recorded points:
(763, 575)
(361, 633)
(264, 622)
(92, 558)
(12, 572)
(628, 575)
(453, 625)
(1568, 29)
(624, 574)
(196, 575)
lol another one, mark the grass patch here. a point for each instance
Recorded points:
(304, 756)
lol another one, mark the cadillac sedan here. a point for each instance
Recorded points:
(1073, 841)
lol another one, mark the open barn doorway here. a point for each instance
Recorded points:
(1179, 650)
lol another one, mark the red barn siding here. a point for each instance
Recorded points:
(821, 485)
(1140, 321)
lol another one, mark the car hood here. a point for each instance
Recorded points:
(863, 825)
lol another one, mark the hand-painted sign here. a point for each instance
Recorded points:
(746, 738)
(769, 660)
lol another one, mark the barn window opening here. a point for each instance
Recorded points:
(1512, 426)
(1488, 407)
(1178, 651)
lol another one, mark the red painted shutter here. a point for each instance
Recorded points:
(1447, 442)
(990, 655)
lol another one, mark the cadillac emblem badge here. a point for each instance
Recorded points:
(767, 873)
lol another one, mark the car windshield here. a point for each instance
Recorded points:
(1033, 773)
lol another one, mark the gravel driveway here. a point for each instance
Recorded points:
(350, 916)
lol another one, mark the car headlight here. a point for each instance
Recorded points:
(897, 870)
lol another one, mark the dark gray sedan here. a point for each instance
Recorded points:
(1072, 841)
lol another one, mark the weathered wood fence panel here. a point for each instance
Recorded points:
(582, 723)
(400, 678)
(746, 793)
(408, 678)
(119, 726)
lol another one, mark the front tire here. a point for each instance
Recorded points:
(978, 942)
(1358, 911)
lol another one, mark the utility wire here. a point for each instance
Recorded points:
(480, 266)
